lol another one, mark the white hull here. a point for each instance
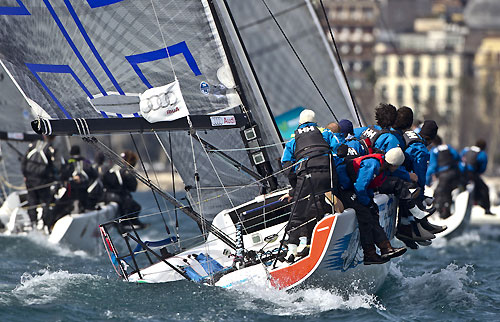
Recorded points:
(478, 217)
(335, 259)
(77, 231)
(461, 214)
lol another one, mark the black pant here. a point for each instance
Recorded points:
(401, 190)
(448, 180)
(306, 209)
(370, 230)
(37, 197)
(481, 191)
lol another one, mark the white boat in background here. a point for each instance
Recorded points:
(479, 218)
(78, 231)
(461, 211)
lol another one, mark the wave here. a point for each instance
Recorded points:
(448, 286)
(302, 301)
(466, 239)
(41, 240)
(46, 287)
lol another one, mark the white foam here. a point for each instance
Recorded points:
(450, 281)
(46, 286)
(302, 301)
(40, 239)
(465, 239)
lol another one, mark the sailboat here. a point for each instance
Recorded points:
(461, 212)
(77, 230)
(204, 79)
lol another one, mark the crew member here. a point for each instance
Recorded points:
(381, 136)
(365, 174)
(119, 184)
(416, 160)
(473, 164)
(39, 172)
(443, 165)
(314, 175)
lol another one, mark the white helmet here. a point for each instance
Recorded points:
(307, 116)
(395, 156)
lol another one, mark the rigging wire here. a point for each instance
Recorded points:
(340, 63)
(164, 41)
(171, 159)
(300, 60)
(147, 177)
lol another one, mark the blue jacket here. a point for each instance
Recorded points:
(481, 161)
(289, 151)
(368, 170)
(385, 142)
(434, 167)
(417, 159)
(356, 145)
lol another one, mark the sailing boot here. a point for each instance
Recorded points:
(371, 257)
(425, 243)
(433, 229)
(388, 251)
(418, 213)
(303, 248)
(413, 232)
(292, 253)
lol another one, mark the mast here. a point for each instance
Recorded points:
(265, 168)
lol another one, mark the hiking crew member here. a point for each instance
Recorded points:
(119, 184)
(39, 171)
(416, 161)
(313, 176)
(443, 165)
(381, 136)
(78, 173)
(473, 164)
(364, 174)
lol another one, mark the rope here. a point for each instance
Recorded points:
(340, 63)
(300, 60)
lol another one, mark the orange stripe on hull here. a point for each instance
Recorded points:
(292, 275)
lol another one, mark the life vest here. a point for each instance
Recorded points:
(411, 137)
(445, 158)
(309, 142)
(38, 160)
(470, 157)
(353, 165)
(78, 169)
(364, 143)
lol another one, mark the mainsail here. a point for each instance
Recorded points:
(15, 132)
(93, 60)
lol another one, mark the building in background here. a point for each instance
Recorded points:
(353, 24)
(422, 69)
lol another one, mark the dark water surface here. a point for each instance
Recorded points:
(452, 280)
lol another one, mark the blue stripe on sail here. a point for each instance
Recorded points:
(92, 47)
(179, 48)
(58, 69)
(104, 114)
(137, 115)
(101, 3)
(73, 46)
(15, 11)
(119, 115)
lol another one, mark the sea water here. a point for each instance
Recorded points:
(451, 280)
